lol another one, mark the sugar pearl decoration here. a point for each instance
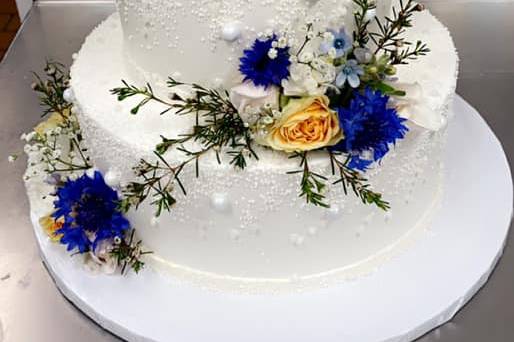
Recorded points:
(154, 222)
(313, 231)
(297, 240)
(68, 95)
(333, 213)
(112, 178)
(231, 32)
(235, 234)
(221, 203)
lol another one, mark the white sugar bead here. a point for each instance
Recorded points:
(154, 221)
(68, 95)
(221, 203)
(333, 212)
(231, 32)
(112, 178)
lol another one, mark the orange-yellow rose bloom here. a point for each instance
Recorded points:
(51, 226)
(306, 124)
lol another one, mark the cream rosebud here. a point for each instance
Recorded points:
(247, 96)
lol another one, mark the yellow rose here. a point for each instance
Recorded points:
(51, 226)
(53, 121)
(306, 124)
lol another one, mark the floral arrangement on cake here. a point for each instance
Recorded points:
(332, 93)
(86, 216)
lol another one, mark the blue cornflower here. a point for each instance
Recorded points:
(90, 211)
(257, 66)
(350, 73)
(369, 127)
(342, 43)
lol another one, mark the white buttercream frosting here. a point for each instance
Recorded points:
(250, 225)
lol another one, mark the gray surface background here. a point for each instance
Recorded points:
(32, 309)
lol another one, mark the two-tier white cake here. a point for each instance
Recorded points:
(250, 227)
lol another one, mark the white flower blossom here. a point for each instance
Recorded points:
(332, 53)
(56, 154)
(272, 53)
(302, 82)
(250, 99)
(306, 57)
(27, 149)
(101, 260)
(328, 37)
(29, 137)
(282, 42)
(413, 107)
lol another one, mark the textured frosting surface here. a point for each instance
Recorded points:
(185, 39)
(251, 224)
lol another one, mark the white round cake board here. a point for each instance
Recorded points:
(405, 298)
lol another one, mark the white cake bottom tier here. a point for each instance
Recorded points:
(250, 226)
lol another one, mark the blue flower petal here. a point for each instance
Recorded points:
(341, 79)
(90, 211)
(369, 125)
(354, 80)
(256, 66)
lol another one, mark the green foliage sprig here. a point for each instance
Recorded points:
(61, 148)
(353, 180)
(128, 253)
(312, 185)
(51, 89)
(361, 33)
(390, 36)
(218, 127)
(146, 92)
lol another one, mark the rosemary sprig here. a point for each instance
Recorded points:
(312, 184)
(390, 38)
(147, 92)
(128, 253)
(352, 179)
(158, 181)
(410, 53)
(361, 33)
(218, 127)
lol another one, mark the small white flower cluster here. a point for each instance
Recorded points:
(281, 43)
(311, 71)
(56, 146)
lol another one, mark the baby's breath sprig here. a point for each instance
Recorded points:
(128, 253)
(353, 180)
(312, 184)
(58, 140)
(51, 90)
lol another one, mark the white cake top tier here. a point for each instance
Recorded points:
(201, 40)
